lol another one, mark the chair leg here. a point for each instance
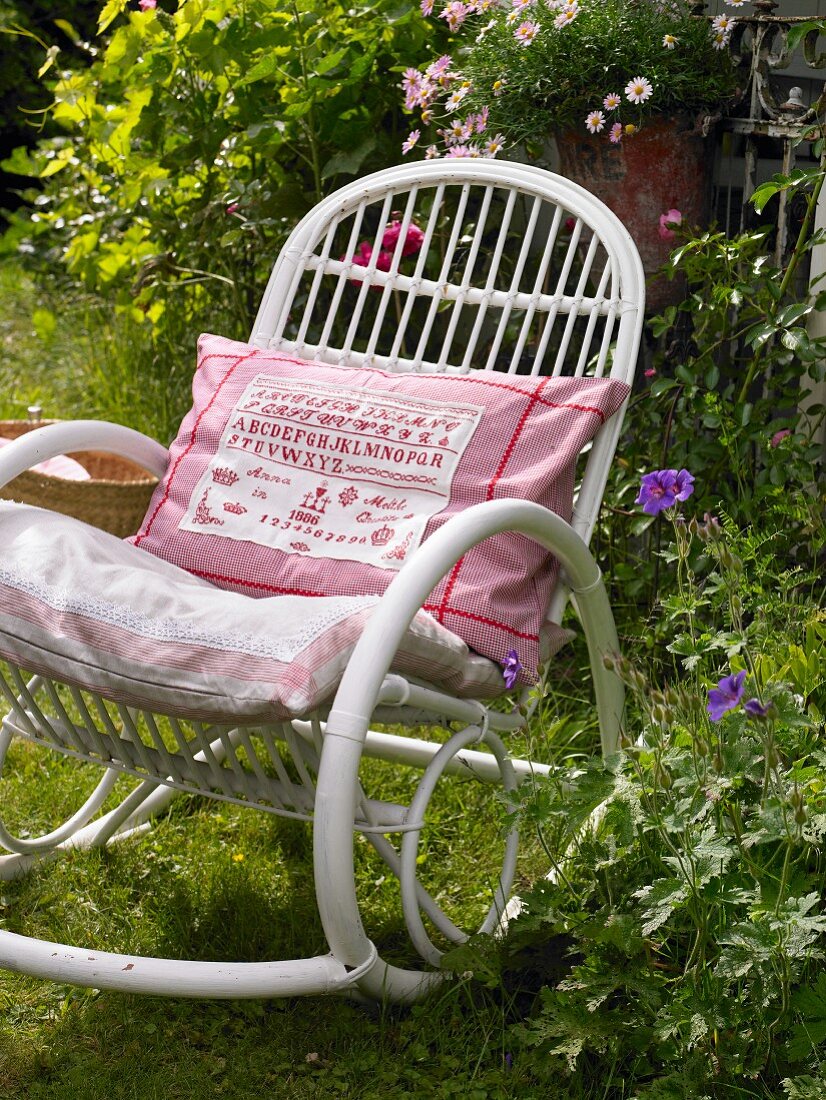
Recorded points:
(339, 799)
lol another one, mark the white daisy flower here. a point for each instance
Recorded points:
(638, 90)
(595, 122)
(454, 100)
(494, 146)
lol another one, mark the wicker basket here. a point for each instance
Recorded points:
(115, 497)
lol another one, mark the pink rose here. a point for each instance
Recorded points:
(412, 242)
(669, 218)
(778, 437)
(365, 254)
(147, 5)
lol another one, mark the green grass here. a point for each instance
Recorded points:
(220, 882)
(76, 357)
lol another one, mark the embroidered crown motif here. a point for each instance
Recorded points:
(233, 506)
(382, 536)
(224, 475)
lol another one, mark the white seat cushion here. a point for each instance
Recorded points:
(79, 605)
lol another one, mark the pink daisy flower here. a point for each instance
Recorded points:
(526, 32)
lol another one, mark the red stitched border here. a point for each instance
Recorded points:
(533, 398)
(243, 583)
(283, 591)
(242, 359)
(278, 357)
(482, 619)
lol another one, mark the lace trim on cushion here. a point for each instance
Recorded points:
(310, 621)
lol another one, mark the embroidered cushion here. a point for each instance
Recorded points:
(78, 604)
(289, 477)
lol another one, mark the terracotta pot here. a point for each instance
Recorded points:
(665, 166)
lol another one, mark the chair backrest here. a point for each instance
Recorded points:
(518, 270)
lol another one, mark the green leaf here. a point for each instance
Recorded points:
(798, 33)
(758, 334)
(60, 161)
(68, 30)
(660, 900)
(762, 195)
(805, 1087)
(51, 56)
(662, 385)
(326, 64)
(348, 163)
(111, 10)
(795, 339)
(265, 68)
(685, 374)
(44, 323)
(791, 313)
(20, 163)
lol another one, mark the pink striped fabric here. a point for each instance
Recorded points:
(525, 443)
(84, 607)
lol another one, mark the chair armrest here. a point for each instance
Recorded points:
(371, 658)
(81, 435)
(347, 723)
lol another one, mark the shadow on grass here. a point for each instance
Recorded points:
(209, 883)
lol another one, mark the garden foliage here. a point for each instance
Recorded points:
(676, 948)
(732, 371)
(686, 896)
(195, 139)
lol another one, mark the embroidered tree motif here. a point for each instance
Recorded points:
(318, 500)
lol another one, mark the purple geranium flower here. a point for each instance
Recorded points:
(662, 488)
(511, 667)
(755, 709)
(726, 695)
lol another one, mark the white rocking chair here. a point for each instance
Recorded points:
(519, 270)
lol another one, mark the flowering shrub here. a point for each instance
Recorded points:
(679, 937)
(525, 67)
(194, 138)
(412, 244)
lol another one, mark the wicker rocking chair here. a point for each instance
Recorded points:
(488, 267)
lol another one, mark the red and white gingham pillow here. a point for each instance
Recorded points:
(302, 478)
